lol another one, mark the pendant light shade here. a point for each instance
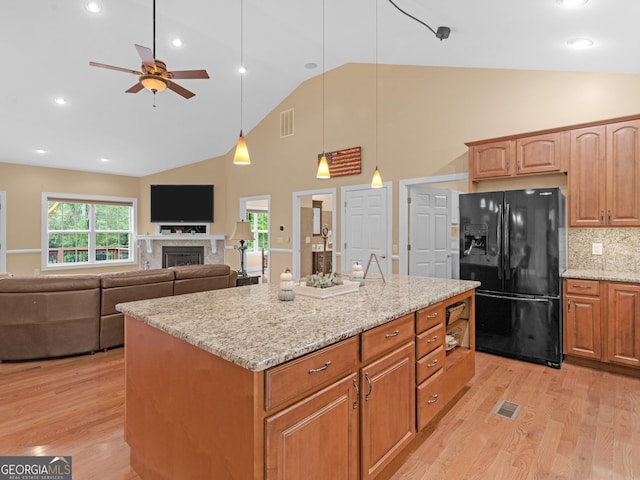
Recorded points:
(376, 181)
(323, 168)
(242, 152)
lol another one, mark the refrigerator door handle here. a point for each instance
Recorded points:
(499, 241)
(506, 249)
(526, 299)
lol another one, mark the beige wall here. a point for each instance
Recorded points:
(424, 116)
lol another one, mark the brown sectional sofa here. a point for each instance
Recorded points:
(57, 315)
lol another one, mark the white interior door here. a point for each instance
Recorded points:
(366, 227)
(3, 231)
(430, 232)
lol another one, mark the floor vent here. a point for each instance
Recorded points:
(507, 409)
(286, 123)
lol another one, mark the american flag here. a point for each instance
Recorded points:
(344, 162)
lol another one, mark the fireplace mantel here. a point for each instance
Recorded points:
(184, 237)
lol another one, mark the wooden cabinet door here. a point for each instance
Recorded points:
(587, 177)
(623, 323)
(388, 413)
(583, 327)
(316, 438)
(492, 160)
(540, 154)
(623, 174)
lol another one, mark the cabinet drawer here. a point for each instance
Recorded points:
(388, 336)
(291, 379)
(430, 364)
(430, 340)
(430, 316)
(583, 287)
(429, 399)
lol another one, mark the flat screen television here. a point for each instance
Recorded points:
(182, 203)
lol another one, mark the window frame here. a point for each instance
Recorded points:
(92, 232)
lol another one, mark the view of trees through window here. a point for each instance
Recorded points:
(82, 232)
(260, 227)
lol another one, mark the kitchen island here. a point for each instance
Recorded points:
(235, 384)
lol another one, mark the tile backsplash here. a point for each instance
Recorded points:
(620, 249)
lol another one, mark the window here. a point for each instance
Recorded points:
(87, 231)
(259, 221)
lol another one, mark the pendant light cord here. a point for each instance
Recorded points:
(416, 19)
(376, 86)
(241, 58)
(323, 71)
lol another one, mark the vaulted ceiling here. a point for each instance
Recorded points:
(47, 46)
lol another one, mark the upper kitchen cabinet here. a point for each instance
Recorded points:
(519, 155)
(604, 175)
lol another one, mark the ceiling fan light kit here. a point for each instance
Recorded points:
(153, 83)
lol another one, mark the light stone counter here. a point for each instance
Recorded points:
(250, 327)
(608, 275)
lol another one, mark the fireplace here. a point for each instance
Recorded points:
(175, 256)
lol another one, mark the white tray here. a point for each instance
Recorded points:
(346, 287)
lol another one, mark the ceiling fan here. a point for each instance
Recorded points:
(154, 75)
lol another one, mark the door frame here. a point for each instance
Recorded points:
(403, 209)
(296, 241)
(243, 215)
(3, 231)
(343, 227)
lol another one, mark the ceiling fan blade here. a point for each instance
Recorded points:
(186, 74)
(111, 67)
(135, 89)
(146, 55)
(180, 90)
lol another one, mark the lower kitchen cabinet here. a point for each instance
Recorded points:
(602, 324)
(316, 437)
(388, 408)
(583, 326)
(623, 323)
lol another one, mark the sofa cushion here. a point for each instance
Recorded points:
(48, 316)
(200, 278)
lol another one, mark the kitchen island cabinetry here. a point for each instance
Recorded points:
(604, 175)
(315, 389)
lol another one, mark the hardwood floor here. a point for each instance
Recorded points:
(575, 423)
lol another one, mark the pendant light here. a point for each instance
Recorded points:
(241, 156)
(376, 180)
(323, 172)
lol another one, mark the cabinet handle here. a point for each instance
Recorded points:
(518, 170)
(581, 286)
(433, 315)
(366, 376)
(394, 334)
(355, 385)
(568, 305)
(324, 367)
(434, 339)
(435, 362)
(601, 216)
(434, 400)
(609, 216)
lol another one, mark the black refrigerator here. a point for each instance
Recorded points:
(513, 243)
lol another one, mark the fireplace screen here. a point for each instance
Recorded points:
(176, 256)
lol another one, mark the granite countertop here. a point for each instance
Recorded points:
(250, 327)
(609, 275)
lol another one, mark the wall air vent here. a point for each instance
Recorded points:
(286, 123)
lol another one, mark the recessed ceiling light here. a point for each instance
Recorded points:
(242, 69)
(60, 101)
(571, 3)
(310, 65)
(104, 159)
(580, 43)
(41, 151)
(93, 7)
(176, 42)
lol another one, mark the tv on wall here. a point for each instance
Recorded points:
(182, 203)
